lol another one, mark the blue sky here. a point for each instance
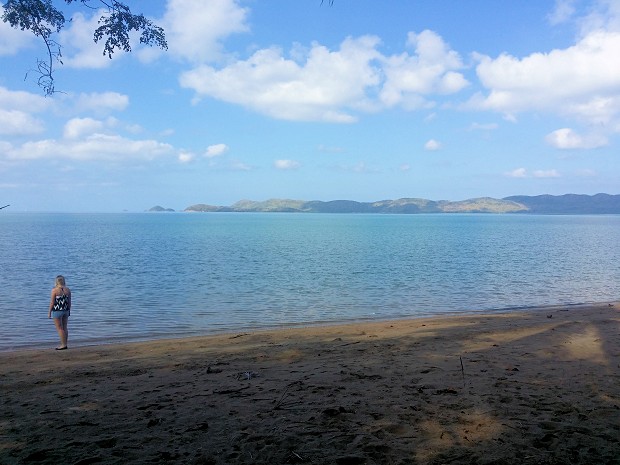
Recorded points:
(362, 100)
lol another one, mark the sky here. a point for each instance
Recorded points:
(361, 100)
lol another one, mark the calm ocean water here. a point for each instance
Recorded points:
(147, 276)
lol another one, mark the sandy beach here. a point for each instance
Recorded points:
(540, 386)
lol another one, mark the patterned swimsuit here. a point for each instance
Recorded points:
(61, 303)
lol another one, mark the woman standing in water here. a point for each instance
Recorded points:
(60, 309)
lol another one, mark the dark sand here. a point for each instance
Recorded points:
(535, 387)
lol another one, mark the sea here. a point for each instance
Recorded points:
(145, 276)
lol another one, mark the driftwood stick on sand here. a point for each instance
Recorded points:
(285, 393)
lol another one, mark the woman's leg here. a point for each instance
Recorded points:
(65, 328)
(58, 322)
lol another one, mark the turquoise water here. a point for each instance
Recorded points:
(147, 276)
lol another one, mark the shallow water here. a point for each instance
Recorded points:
(147, 276)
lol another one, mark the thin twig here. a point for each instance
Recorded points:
(284, 394)
(349, 344)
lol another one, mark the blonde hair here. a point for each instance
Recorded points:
(60, 281)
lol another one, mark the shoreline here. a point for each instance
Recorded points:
(45, 345)
(534, 386)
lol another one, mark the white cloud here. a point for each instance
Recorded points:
(102, 102)
(517, 173)
(79, 127)
(429, 70)
(602, 15)
(563, 11)
(566, 138)
(186, 157)
(100, 147)
(18, 100)
(546, 174)
(318, 84)
(582, 81)
(132, 128)
(325, 87)
(216, 150)
(19, 123)
(237, 165)
(194, 30)
(523, 173)
(432, 145)
(83, 138)
(16, 108)
(598, 110)
(286, 164)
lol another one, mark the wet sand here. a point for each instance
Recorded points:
(531, 387)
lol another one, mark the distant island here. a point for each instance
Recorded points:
(157, 208)
(568, 204)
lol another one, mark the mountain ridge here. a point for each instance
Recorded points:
(572, 204)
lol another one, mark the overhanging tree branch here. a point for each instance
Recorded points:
(43, 19)
(119, 23)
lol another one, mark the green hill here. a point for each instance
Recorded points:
(404, 206)
(569, 204)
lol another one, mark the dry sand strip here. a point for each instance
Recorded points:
(531, 387)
